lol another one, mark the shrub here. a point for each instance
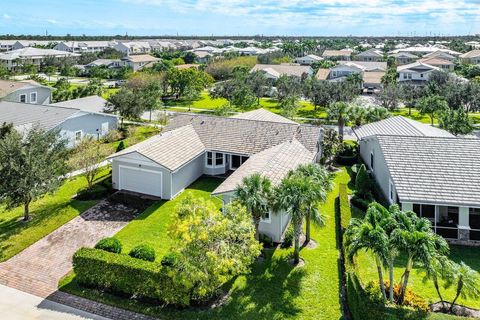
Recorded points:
(265, 240)
(170, 259)
(344, 205)
(288, 237)
(109, 244)
(143, 252)
(348, 153)
(122, 145)
(359, 202)
(112, 136)
(363, 184)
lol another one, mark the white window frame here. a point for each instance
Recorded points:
(206, 159)
(75, 135)
(36, 97)
(223, 159)
(214, 159)
(20, 98)
(390, 190)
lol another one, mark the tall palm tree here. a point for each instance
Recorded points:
(321, 179)
(415, 237)
(467, 283)
(295, 195)
(439, 267)
(255, 193)
(368, 234)
(358, 114)
(339, 111)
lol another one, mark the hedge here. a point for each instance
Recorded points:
(122, 274)
(344, 206)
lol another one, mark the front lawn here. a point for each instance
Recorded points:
(273, 290)
(415, 115)
(47, 214)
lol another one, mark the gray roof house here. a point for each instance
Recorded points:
(27, 91)
(428, 171)
(274, 71)
(73, 124)
(93, 103)
(194, 145)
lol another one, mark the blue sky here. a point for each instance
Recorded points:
(241, 17)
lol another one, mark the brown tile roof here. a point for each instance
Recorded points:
(7, 87)
(262, 115)
(322, 74)
(141, 58)
(471, 54)
(336, 53)
(436, 62)
(373, 77)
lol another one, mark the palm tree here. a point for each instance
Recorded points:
(389, 224)
(296, 195)
(415, 237)
(322, 180)
(358, 114)
(356, 79)
(340, 112)
(368, 234)
(255, 193)
(374, 114)
(439, 267)
(467, 283)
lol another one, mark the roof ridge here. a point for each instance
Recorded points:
(407, 121)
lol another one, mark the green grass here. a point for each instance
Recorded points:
(47, 214)
(273, 289)
(415, 115)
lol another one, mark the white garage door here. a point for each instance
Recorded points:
(140, 180)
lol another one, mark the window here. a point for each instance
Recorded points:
(391, 193)
(104, 128)
(421, 75)
(424, 210)
(209, 159)
(474, 218)
(218, 159)
(33, 97)
(78, 136)
(371, 160)
(23, 98)
(237, 161)
(266, 218)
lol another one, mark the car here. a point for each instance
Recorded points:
(370, 90)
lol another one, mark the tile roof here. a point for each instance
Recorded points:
(322, 74)
(284, 69)
(399, 126)
(7, 87)
(34, 52)
(434, 61)
(471, 54)
(273, 163)
(417, 66)
(244, 136)
(170, 149)
(373, 77)
(141, 58)
(262, 115)
(434, 169)
(371, 52)
(89, 104)
(366, 65)
(335, 53)
(24, 115)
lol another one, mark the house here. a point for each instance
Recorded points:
(308, 59)
(344, 55)
(346, 68)
(93, 104)
(140, 61)
(274, 71)
(73, 124)
(428, 171)
(373, 79)
(472, 57)
(416, 73)
(108, 63)
(202, 56)
(194, 145)
(473, 44)
(370, 55)
(84, 46)
(13, 60)
(133, 47)
(404, 58)
(27, 91)
(423, 50)
(440, 55)
(322, 74)
(440, 63)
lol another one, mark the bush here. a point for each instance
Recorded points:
(122, 145)
(360, 203)
(122, 274)
(170, 259)
(348, 153)
(344, 205)
(363, 184)
(266, 240)
(288, 237)
(109, 244)
(143, 252)
(112, 136)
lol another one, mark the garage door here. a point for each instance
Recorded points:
(140, 180)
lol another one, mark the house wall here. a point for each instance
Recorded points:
(216, 170)
(342, 70)
(380, 170)
(136, 160)
(89, 124)
(418, 76)
(43, 95)
(187, 174)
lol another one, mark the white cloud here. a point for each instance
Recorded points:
(6, 16)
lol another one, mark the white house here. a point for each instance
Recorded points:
(139, 61)
(472, 57)
(416, 73)
(27, 91)
(195, 145)
(274, 71)
(84, 46)
(370, 55)
(308, 59)
(12, 60)
(133, 47)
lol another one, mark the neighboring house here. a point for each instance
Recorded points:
(344, 55)
(346, 68)
(133, 47)
(274, 71)
(472, 57)
(373, 79)
(427, 171)
(84, 46)
(308, 59)
(370, 55)
(322, 74)
(109, 63)
(194, 145)
(13, 60)
(27, 91)
(415, 73)
(404, 58)
(442, 64)
(73, 124)
(423, 50)
(140, 61)
(473, 44)
(440, 55)
(93, 104)
(202, 56)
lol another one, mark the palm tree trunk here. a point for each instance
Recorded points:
(341, 123)
(390, 274)
(150, 118)
(307, 229)
(256, 222)
(26, 210)
(459, 290)
(405, 280)
(297, 230)
(380, 276)
(435, 283)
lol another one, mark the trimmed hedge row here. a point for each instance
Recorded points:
(122, 274)
(344, 206)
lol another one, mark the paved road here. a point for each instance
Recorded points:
(18, 305)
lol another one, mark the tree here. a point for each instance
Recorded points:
(355, 79)
(288, 86)
(30, 166)
(125, 103)
(5, 129)
(258, 83)
(456, 122)
(415, 238)
(255, 194)
(296, 195)
(320, 179)
(439, 268)
(330, 146)
(358, 114)
(363, 183)
(4, 73)
(374, 114)
(49, 71)
(390, 77)
(89, 154)
(289, 106)
(339, 111)
(389, 97)
(211, 247)
(151, 97)
(467, 283)
(432, 105)
(410, 93)
(243, 97)
(319, 92)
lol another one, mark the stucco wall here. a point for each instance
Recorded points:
(187, 174)
(43, 95)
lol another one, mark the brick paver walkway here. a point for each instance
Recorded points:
(38, 268)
